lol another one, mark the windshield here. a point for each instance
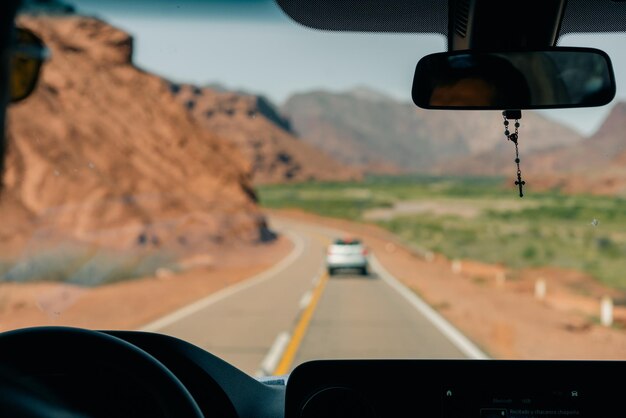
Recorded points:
(217, 172)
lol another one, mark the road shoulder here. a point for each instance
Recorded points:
(131, 304)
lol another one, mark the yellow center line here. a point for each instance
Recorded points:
(289, 355)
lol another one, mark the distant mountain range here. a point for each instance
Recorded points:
(325, 135)
(262, 134)
(368, 129)
(596, 165)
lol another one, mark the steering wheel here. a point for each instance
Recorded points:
(87, 372)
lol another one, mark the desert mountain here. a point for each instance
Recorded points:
(363, 127)
(104, 153)
(603, 147)
(264, 136)
(597, 165)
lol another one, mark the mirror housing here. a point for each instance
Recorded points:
(27, 56)
(560, 77)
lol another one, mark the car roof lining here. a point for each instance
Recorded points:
(431, 16)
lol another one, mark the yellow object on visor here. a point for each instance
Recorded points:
(27, 56)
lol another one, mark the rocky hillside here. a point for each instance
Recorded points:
(366, 128)
(264, 136)
(104, 153)
(597, 165)
(602, 148)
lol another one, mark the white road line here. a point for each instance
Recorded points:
(269, 363)
(306, 299)
(228, 291)
(274, 355)
(447, 329)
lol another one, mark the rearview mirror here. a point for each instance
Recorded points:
(27, 56)
(561, 77)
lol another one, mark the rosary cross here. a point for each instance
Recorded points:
(520, 183)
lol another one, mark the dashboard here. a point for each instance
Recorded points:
(453, 389)
(136, 374)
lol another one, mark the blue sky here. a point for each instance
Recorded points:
(251, 45)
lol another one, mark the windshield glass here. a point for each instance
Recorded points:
(217, 172)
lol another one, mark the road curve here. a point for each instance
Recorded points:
(295, 312)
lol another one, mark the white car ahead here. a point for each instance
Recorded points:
(347, 253)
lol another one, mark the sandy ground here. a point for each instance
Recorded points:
(495, 309)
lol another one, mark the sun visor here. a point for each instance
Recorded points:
(410, 16)
(431, 16)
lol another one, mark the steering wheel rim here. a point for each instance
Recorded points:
(44, 349)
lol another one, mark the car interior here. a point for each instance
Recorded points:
(59, 371)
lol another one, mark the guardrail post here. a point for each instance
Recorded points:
(456, 266)
(540, 289)
(606, 311)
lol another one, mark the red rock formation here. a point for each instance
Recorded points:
(103, 152)
(252, 123)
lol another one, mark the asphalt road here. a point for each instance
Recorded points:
(295, 312)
